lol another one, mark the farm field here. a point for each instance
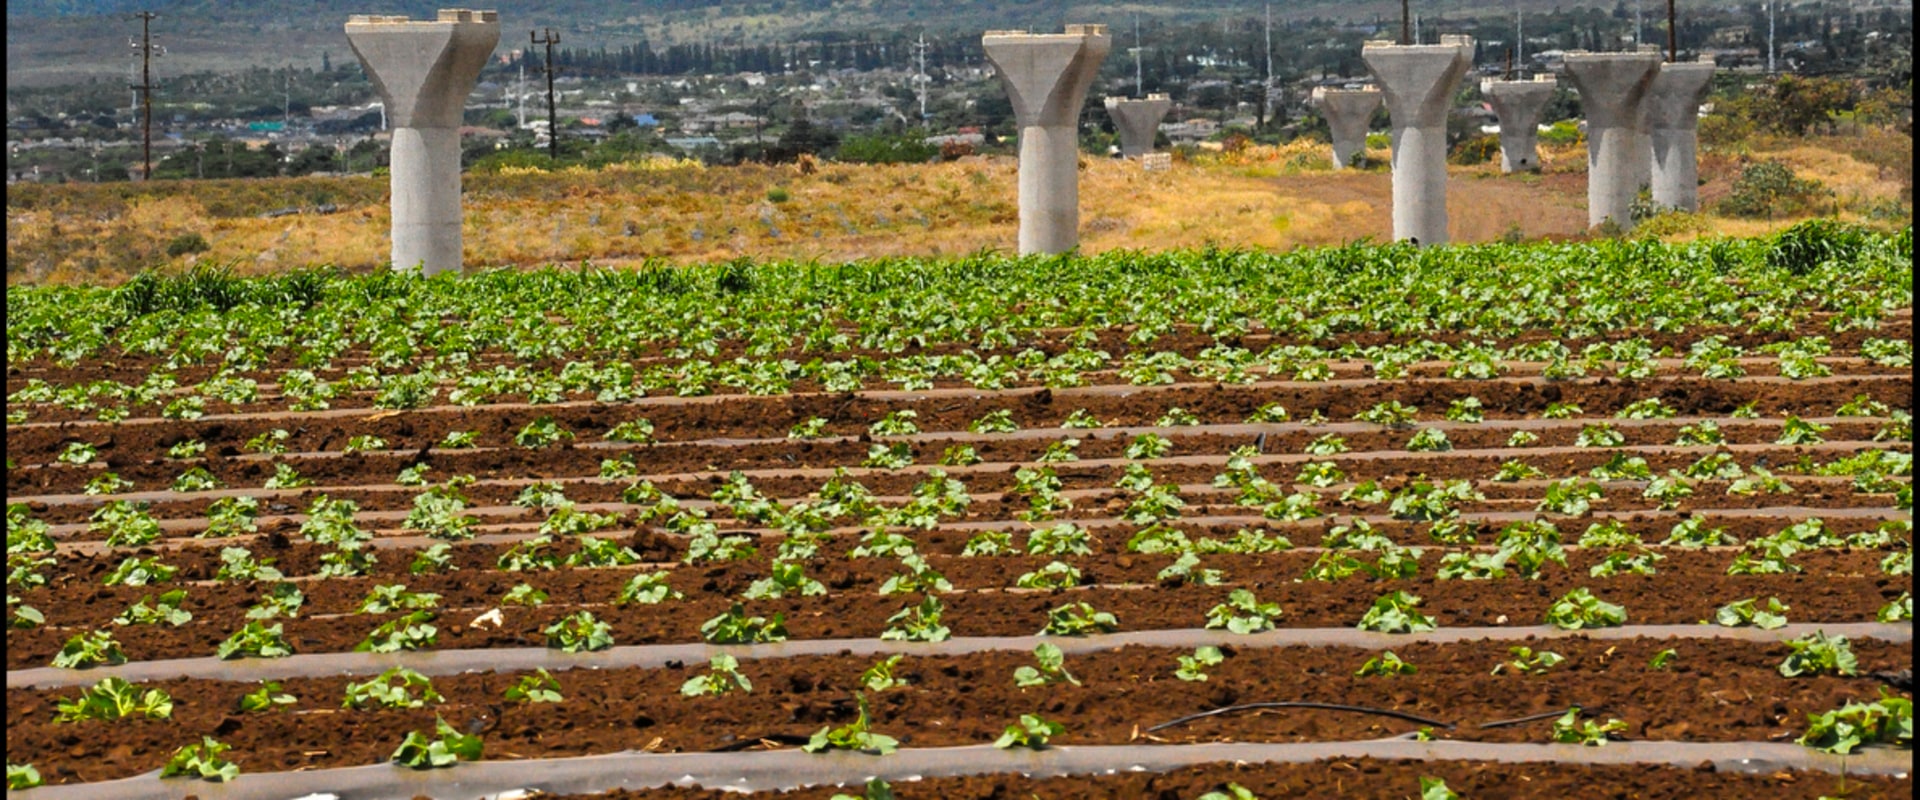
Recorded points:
(1607, 518)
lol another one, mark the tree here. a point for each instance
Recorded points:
(1791, 104)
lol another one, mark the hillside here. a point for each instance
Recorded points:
(64, 41)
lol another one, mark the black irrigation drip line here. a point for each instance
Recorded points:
(1543, 715)
(1300, 704)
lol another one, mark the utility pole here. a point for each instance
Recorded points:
(549, 38)
(1673, 37)
(1406, 35)
(1639, 33)
(1269, 46)
(147, 50)
(1520, 34)
(1139, 83)
(520, 93)
(920, 79)
(1770, 66)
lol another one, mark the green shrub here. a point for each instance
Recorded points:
(884, 148)
(1769, 188)
(1475, 150)
(186, 243)
(1564, 132)
(1809, 244)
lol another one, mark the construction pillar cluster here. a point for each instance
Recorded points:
(1419, 81)
(1047, 77)
(1348, 112)
(424, 70)
(1641, 124)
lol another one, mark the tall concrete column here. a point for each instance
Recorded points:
(1047, 76)
(1137, 121)
(1613, 91)
(1673, 118)
(1518, 104)
(1347, 112)
(1419, 81)
(424, 71)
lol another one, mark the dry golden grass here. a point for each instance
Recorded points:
(1265, 197)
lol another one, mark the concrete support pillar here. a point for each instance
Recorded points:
(1613, 91)
(1347, 112)
(424, 71)
(1419, 81)
(1047, 77)
(1518, 104)
(1137, 121)
(1673, 119)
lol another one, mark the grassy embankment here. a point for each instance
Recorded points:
(1259, 197)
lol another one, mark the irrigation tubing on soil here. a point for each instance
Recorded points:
(513, 659)
(787, 769)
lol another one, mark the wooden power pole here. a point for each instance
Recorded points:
(147, 50)
(549, 38)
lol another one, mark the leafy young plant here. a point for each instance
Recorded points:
(880, 677)
(201, 761)
(735, 627)
(140, 572)
(1568, 729)
(266, 698)
(1747, 612)
(1432, 788)
(856, 735)
(1243, 613)
(1819, 654)
(87, 649)
(412, 631)
(1050, 667)
(255, 640)
(1662, 659)
(1888, 720)
(394, 688)
(1526, 661)
(1385, 664)
(634, 431)
(918, 623)
(540, 687)
(166, 609)
(723, 677)
(448, 746)
(1395, 613)
(1031, 732)
(580, 632)
(1599, 434)
(115, 699)
(541, 432)
(1579, 609)
(1078, 619)
(647, 588)
(1194, 667)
